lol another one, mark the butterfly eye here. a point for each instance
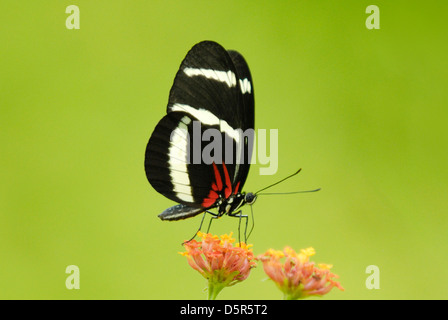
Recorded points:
(250, 198)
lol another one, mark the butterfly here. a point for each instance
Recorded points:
(212, 97)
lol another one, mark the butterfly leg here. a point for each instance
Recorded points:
(253, 222)
(199, 229)
(239, 214)
(214, 216)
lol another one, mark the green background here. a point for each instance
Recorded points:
(363, 112)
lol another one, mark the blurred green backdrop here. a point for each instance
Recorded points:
(363, 112)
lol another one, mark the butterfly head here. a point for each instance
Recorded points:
(250, 198)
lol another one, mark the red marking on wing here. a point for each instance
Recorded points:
(217, 177)
(236, 188)
(210, 200)
(218, 186)
(228, 190)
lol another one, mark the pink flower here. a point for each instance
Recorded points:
(297, 277)
(219, 261)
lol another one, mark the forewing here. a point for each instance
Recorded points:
(247, 115)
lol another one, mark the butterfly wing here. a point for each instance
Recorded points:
(247, 116)
(207, 90)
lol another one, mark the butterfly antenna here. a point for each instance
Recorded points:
(294, 192)
(290, 176)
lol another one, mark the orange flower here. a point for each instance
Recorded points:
(219, 261)
(297, 277)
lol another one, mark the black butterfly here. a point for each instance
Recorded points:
(213, 88)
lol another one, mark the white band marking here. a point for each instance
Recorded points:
(222, 76)
(245, 86)
(178, 161)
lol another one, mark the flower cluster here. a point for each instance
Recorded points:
(219, 261)
(296, 276)
(224, 263)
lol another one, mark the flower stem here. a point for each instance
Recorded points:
(213, 289)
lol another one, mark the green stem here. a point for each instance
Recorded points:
(213, 289)
(288, 297)
(292, 296)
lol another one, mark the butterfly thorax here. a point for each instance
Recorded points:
(234, 202)
(231, 204)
